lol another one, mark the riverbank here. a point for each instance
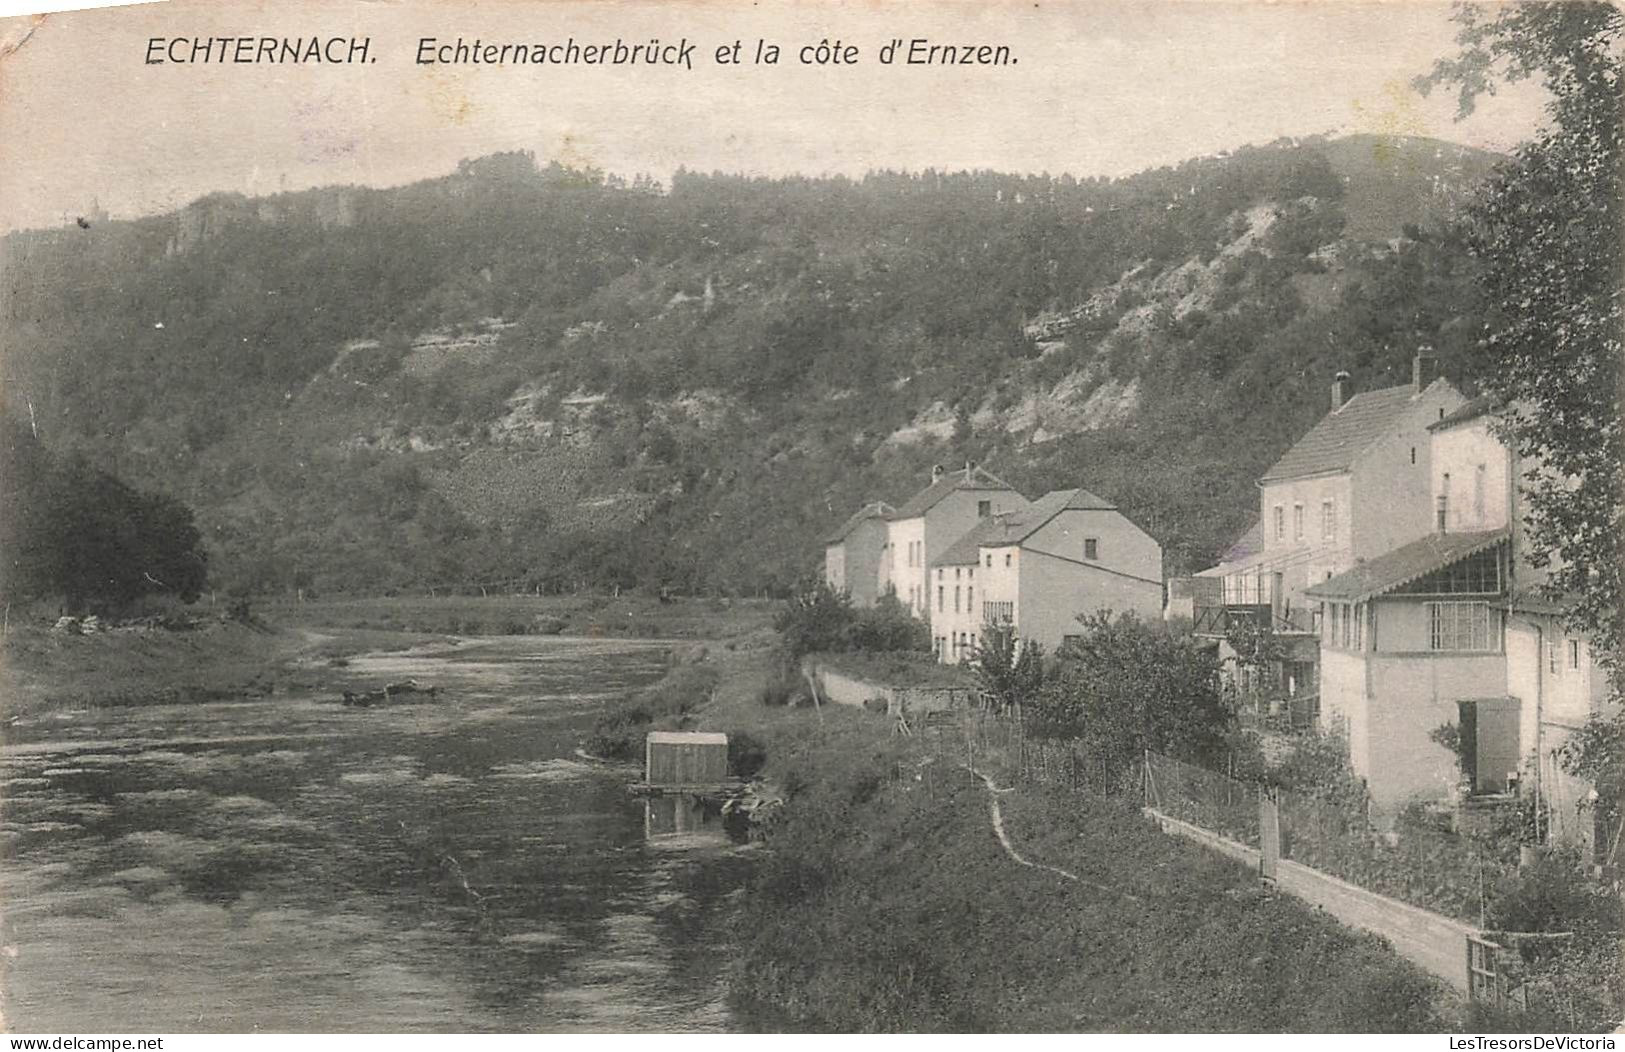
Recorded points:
(884, 901)
(626, 616)
(289, 647)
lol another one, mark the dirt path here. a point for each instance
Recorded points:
(997, 815)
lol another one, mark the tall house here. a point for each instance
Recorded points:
(1035, 570)
(854, 555)
(1553, 686)
(1356, 485)
(934, 518)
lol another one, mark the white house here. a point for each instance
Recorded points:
(1035, 570)
(854, 555)
(1356, 485)
(934, 518)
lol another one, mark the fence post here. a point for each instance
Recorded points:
(1269, 833)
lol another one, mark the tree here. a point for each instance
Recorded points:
(1126, 686)
(72, 531)
(1547, 231)
(816, 618)
(1012, 674)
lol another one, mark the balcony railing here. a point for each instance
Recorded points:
(1218, 621)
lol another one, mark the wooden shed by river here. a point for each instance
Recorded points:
(685, 759)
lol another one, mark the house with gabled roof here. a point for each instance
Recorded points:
(1410, 641)
(1033, 571)
(1553, 684)
(934, 518)
(1355, 486)
(854, 554)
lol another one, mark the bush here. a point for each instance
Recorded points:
(746, 755)
(618, 733)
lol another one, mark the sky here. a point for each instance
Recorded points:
(1097, 88)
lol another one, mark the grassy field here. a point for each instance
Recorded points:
(884, 902)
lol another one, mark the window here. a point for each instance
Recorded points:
(1328, 520)
(1007, 558)
(998, 613)
(1441, 512)
(990, 562)
(1333, 624)
(1477, 574)
(1091, 548)
(1359, 626)
(1413, 454)
(1552, 664)
(984, 508)
(956, 599)
(1297, 522)
(939, 598)
(1280, 523)
(1478, 496)
(970, 600)
(956, 573)
(1459, 625)
(1574, 654)
(971, 573)
(1344, 639)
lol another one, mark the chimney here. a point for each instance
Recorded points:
(1424, 369)
(936, 473)
(970, 466)
(1342, 389)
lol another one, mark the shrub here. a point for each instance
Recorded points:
(746, 754)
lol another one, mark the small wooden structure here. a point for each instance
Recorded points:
(693, 762)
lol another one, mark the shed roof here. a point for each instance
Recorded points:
(875, 509)
(1403, 565)
(1342, 435)
(1016, 526)
(974, 479)
(686, 738)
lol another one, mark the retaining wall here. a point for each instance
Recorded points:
(1430, 940)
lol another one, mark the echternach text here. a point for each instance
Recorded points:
(257, 50)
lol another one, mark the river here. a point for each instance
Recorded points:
(287, 864)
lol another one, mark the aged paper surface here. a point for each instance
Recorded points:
(425, 421)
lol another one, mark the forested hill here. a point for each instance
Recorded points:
(528, 372)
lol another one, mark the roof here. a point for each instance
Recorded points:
(1474, 409)
(1249, 543)
(927, 498)
(1344, 433)
(1016, 526)
(1403, 565)
(685, 738)
(875, 509)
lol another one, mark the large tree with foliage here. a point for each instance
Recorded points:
(70, 531)
(1126, 686)
(1547, 230)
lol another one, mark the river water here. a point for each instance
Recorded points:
(288, 864)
